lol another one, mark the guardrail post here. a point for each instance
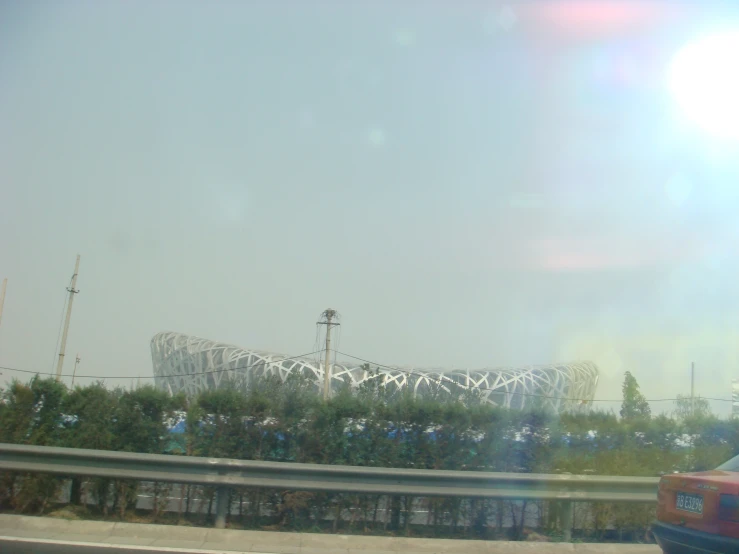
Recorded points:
(567, 510)
(222, 506)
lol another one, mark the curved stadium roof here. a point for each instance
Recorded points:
(191, 365)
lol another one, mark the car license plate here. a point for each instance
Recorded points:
(692, 503)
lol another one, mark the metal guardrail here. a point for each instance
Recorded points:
(224, 473)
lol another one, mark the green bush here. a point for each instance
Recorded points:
(368, 426)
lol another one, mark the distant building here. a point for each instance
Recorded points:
(735, 398)
(190, 364)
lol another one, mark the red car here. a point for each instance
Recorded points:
(699, 512)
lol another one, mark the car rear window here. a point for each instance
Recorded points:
(731, 465)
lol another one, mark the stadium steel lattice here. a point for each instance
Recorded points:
(189, 364)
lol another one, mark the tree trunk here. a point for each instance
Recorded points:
(374, 515)
(44, 503)
(257, 506)
(75, 491)
(479, 515)
(540, 513)
(357, 509)
(514, 523)
(408, 514)
(395, 513)
(337, 515)
(122, 501)
(182, 501)
(156, 500)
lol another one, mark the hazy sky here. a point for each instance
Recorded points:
(469, 184)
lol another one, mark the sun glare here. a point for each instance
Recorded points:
(704, 82)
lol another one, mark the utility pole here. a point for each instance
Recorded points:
(2, 297)
(327, 319)
(72, 291)
(76, 363)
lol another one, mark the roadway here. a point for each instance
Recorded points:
(31, 546)
(39, 535)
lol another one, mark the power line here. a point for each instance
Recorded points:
(166, 376)
(445, 379)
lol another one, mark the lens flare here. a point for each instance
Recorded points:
(705, 84)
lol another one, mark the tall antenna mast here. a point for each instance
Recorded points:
(72, 291)
(2, 297)
(692, 389)
(76, 363)
(327, 319)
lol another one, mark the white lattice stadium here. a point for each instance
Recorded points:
(189, 364)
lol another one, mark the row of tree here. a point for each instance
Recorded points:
(287, 421)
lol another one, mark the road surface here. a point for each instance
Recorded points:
(32, 546)
(44, 535)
